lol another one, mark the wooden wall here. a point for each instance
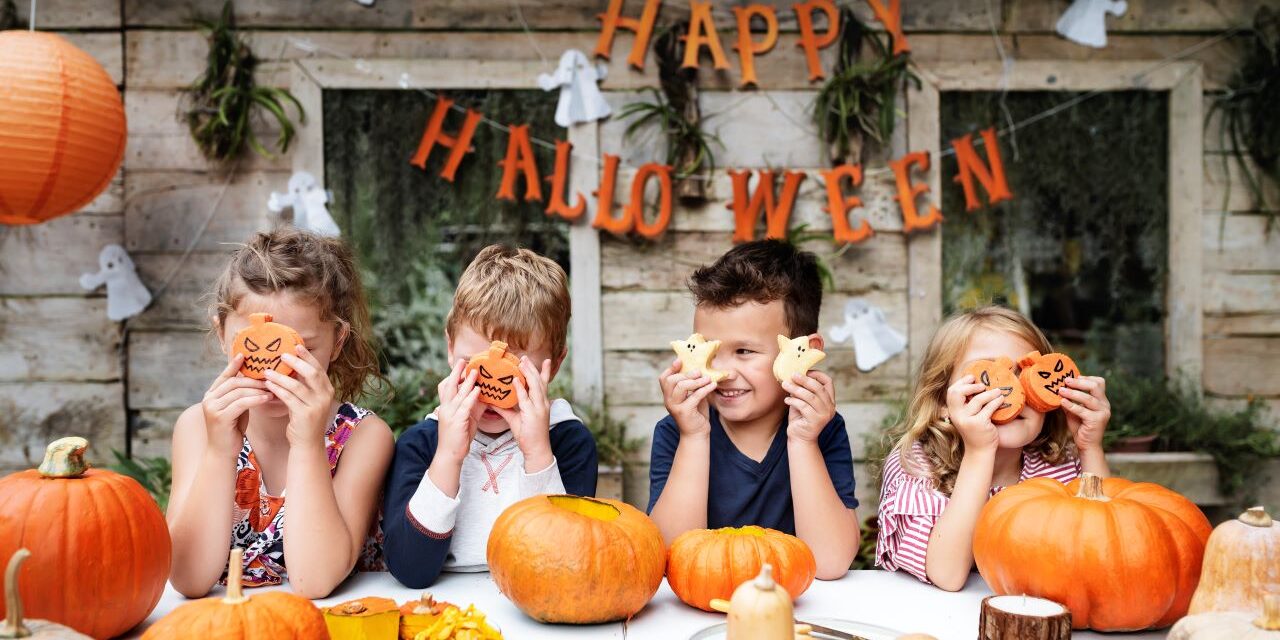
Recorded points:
(126, 387)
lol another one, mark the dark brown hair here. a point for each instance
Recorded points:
(764, 271)
(316, 270)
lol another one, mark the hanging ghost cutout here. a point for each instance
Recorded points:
(307, 200)
(580, 99)
(1085, 21)
(874, 341)
(126, 295)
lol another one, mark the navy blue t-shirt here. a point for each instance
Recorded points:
(743, 491)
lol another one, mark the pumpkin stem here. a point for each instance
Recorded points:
(1270, 618)
(64, 458)
(1256, 517)
(13, 627)
(1091, 488)
(764, 581)
(235, 570)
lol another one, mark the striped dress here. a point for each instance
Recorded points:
(910, 506)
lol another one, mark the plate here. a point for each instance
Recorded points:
(868, 631)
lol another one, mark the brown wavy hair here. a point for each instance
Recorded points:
(315, 269)
(942, 445)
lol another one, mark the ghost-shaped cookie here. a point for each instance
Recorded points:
(126, 295)
(795, 356)
(695, 355)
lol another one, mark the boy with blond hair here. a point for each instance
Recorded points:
(455, 472)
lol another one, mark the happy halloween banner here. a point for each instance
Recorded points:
(747, 205)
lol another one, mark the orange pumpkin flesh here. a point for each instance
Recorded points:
(1043, 375)
(262, 343)
(99, 544)
(576, 560)
(998, 374)
(1122, 556)
(499, 370)
(708, 564)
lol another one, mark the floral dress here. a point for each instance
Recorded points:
(258, 517)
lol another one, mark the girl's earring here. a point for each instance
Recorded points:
(946, 419)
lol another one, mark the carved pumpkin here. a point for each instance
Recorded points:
(1241, 564)
(99, 544)
(707, 564)
(1232, 625)
(14, 625)
(273, 614)
(1042, 376)
(998, 374)
(1120, 555)
(370, 618)
(760, 610)
(499, 370)
(576, 560)
(261, 343)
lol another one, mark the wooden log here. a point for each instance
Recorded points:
(1023, 618)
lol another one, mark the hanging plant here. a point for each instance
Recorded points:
(859, 100)
(675, 109)
(1250, 129)
(226, 98)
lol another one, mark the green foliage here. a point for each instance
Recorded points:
(866, 556)
(612, 443)
(154, 474)
(226, 97)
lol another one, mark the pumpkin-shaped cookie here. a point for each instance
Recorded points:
(499, 370)
(998, 374)
(261, 343)
(1043, 375)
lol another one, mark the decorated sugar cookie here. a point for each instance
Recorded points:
(695, 355)
(261, 343)
(1043, 375)
(499, 369)
(998, 374)
(795, 356)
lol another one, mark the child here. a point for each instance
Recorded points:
(456, 471)
(950, 458)
(747, 450)
(236, 453)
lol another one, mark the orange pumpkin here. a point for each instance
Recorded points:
(998, 374)
(576, 560)
(499, 369)
(99, 544)
(273, 614)
(368, 618)
(1043, 375)
(707, 564)
(1122, 556)
(261, 343)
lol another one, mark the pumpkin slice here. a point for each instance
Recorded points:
(418, 615)
(370, 618)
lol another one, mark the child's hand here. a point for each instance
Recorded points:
(531, 422)
(458, 414)
(970, 412)
(685, 396)
(309, 397)
(1084, 400)
(812, 399)
(229, 399)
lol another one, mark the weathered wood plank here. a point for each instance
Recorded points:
(1270, 408)
(924, 249)
(152, 432)
(385, 14)
(1263, 324)
(1056, 75)
(165, 209)
(180, 306)
(33, 414)
(159, 139)
(1227, 189)
(48, 259)
(1142, 15)
(1240, 243)
(170, 369)
(1184, 320)
(1241, 293)
(66, 339)
(1242, 366)
(106, 48)
(72, 14)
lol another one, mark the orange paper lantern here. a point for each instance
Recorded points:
(62, 128)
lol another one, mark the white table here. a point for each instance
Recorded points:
(893, 600)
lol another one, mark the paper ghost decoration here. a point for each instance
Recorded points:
(580, 99)
(874, 341)
(367, 3)
(126, 295)
(1085, 21)
(307, 200)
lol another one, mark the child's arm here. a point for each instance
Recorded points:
(530, 423)
(576, 457)
(206, 440)
(1088, 411)
(681, 503)
(823, 518)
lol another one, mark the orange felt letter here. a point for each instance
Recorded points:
(839, 206)
(809, 40)
(559, 182)
(459, 146)
(746, 207)
(702, 32)
(747, 49)
(612, 21)
(635, 208)
(971, 167)
(908, 192)
(519, 157)
(604, 201)
(891, 18)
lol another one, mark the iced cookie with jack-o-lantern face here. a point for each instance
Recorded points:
(262, 343)
(695, 355)
(499, 369)
(998, 374)
(1042, 376)
(795, 356)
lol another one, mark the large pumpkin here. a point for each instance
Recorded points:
(99, 544)
(1120, 555)
(1241, 564)
(576, 560)
(707, 564)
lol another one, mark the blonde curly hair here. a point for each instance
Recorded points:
(941, 443)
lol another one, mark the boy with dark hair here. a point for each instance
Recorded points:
(747, 450)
